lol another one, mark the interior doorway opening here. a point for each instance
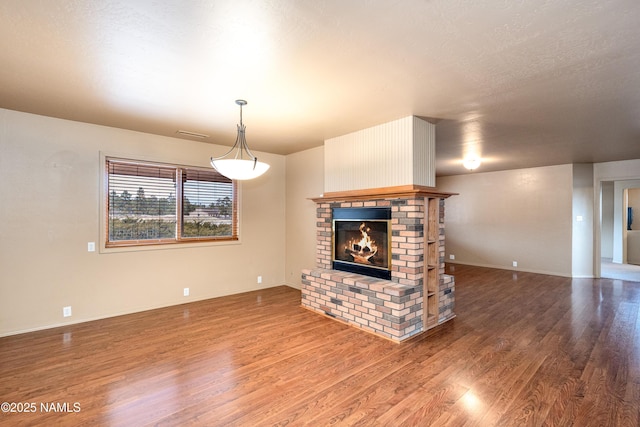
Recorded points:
(620, 230)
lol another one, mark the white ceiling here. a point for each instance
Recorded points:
(521, 83)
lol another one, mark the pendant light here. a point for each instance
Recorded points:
(239, 163)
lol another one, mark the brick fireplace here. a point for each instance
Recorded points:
(417, 296)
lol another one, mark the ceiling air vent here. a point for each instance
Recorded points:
(192, 134)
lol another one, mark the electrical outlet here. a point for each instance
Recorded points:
(185, 292)
(66, 311)
(452, 256)
(515, 263)
(91, 247)
(259, 279)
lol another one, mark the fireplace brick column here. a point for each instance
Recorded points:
(323, 234)
(407, 243)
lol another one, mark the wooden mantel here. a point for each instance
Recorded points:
(383, 193)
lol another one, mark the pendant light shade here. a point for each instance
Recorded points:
(239, 163)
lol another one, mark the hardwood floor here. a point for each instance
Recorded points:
(525, 349)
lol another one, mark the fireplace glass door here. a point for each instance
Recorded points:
(362, 245)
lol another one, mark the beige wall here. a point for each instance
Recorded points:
(582, 230)
(522, 215)
(50, 209)
(606, 230)
(305, 172)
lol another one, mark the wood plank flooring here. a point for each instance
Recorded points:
(524, 350)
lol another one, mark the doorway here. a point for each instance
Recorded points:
(619, 236)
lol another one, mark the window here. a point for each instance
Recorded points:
(150, 204)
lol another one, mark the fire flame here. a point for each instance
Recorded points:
(362, 250)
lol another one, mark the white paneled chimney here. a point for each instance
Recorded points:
(401, 152)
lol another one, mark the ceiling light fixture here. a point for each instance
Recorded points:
(243, 164)
(471, 163)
